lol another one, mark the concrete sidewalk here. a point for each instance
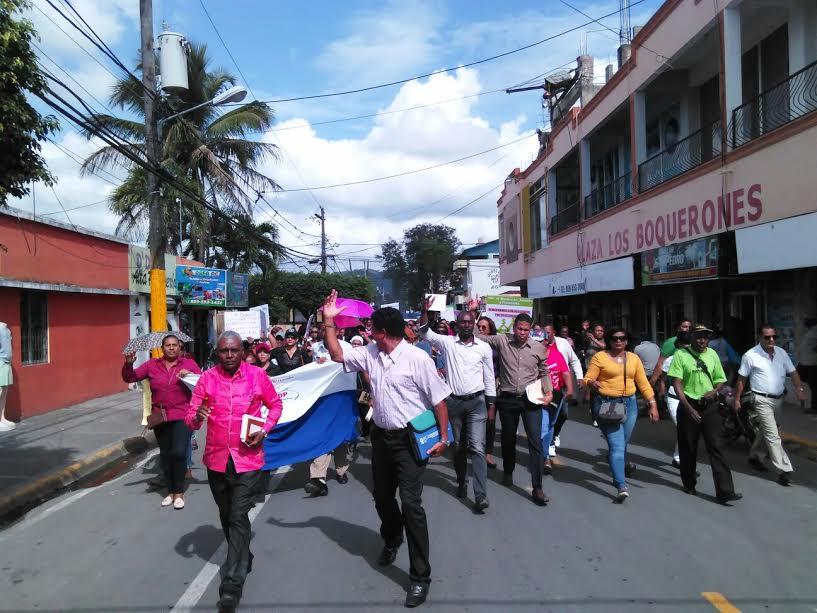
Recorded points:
(798, 429)
(47, 453)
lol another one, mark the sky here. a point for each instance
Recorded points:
(286, 49)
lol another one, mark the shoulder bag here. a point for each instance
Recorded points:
(157, 417)
(614, 411)
(702, 365)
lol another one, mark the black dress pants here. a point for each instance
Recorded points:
(394, 466)
(173, 438)
(689, 433)
(511, 410)
(234, 494)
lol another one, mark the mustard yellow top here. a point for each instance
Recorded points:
(609, 373)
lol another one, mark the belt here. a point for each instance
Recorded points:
(510, 395)
(468, 396)
(772, 396)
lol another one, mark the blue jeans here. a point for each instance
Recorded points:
(618, 436)
(550, 414)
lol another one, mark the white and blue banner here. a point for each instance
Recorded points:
(319, 413)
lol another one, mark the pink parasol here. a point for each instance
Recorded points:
(353, 311)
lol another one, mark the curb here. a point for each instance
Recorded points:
(794, 438)
(35, 492)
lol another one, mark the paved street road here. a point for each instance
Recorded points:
(112, 548)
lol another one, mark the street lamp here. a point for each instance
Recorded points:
(229, 96)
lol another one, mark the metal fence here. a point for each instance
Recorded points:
(686, 154)
(775, 107)
(564, 219)
(607, 196)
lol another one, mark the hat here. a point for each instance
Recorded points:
(356, 338)
(263, 347)
(279, 335)
(697, 328)
(291, 333)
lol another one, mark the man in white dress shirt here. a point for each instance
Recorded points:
(470, 370)
(404, 384)
(765, 367)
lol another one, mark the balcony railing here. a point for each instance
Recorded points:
(607, 196)
(686, 154)
(564, 219)
(777, 106)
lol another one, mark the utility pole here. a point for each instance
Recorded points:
(157, 236)
(322, 217)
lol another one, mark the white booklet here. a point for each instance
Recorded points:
(250, 424)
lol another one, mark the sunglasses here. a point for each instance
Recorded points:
(619, 339)
(770, 337)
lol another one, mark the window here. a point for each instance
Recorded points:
(538, 203)
(34, 327)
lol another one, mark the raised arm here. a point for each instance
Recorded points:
(131, 375)
(330, 311)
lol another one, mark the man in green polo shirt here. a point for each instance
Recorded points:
(697, 375)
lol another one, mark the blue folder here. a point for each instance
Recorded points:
(425, 434)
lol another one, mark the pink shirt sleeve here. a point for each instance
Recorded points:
(196, 400)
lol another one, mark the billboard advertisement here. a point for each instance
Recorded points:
(238, 289)
(680, 262)
(503, 310)
(199, 286)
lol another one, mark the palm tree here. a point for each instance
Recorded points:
(233, 251)
(205, 150)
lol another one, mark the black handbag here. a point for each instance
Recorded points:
(614, 411)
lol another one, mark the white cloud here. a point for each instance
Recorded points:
(383, 44)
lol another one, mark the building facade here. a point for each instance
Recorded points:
(64, 295)
(685, 185)
(479, 269)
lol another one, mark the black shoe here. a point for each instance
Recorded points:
(417, 594)
(249, 564)
(315, 487)
(343, 479)
(228, 602)
(690, 490)
(388, 555)
(507, 479)
(758, 465)
(784, 479)
(729, 498)
(462, 490)
(676, 464)
(480, 504)
(548, 467)
(538, 497)
(629, 469)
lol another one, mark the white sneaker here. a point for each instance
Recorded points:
(7, 426)
(552, 451)
(178, 503)
(167, 501)
(556, 442)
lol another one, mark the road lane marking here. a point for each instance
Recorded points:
(719, 601)
(28, 522)
(198, 586)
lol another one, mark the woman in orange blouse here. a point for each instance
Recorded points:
(606, 375)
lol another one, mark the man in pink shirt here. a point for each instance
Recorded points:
(223, 395)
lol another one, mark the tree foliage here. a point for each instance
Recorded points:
(207, 150)
(21, 126)
(305, 291)
(423, 262)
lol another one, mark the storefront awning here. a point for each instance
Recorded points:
(778, 245)
(601, 277)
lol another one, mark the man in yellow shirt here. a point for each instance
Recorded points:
(697, 375)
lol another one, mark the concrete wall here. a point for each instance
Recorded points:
(86, 335)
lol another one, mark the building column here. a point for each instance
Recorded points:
(638, 133)
(732, 52)
(802, 34)
(551, 185)
(585, 186)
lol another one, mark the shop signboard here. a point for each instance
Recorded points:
(139, 271)
(200, 286)
(680, 262)
(503, 310)
(238, 289)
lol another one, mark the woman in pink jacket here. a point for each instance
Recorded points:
(170, 399)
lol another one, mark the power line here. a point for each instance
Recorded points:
(475, 200)
(82, 206)
(408, 172)
(452, 68)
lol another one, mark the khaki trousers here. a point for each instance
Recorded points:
(763, 418)
(344, 455)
